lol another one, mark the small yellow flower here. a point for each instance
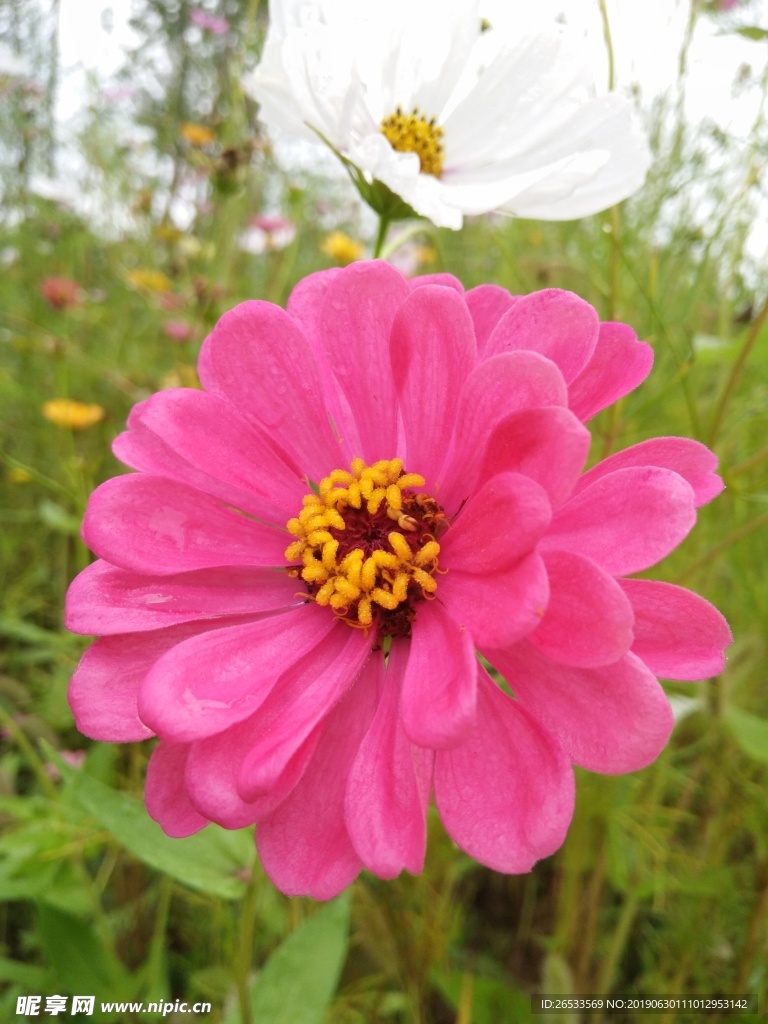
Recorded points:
(341, 248)
(426, 254)
(184, 376)
(197, 134)
(168, 233)
(17, 475)
(192, 248)
(188, 375)
(64, 412)
(150, 280)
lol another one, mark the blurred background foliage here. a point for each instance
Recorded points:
(120, 246)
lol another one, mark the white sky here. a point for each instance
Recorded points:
(647, 35)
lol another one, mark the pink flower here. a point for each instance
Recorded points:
(267, 233)
(74, 758)
(375, 485)
(177, 330)
(209, 22)
(271, 222)
(60, 292)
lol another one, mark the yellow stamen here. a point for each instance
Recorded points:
(400, 546)
(366, 581)
(374, 502)
(412, 133)
(364, 613)
(384, 598)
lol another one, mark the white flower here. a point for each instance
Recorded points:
(54, 190)
(453, 119)
(11, 65)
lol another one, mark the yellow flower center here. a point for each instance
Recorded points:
(412, 133)
(367, 545)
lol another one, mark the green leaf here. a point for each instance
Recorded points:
(298, 982)
(753, 32)
(79, 957)
(749, 731)
(376, 194)
(210, 861)
(493, 1002)
(27, 975)
(58, 518)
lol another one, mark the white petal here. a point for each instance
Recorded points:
(401, 172)
(579, 192)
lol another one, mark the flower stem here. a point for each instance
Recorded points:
(614, 413)
(400, 240)
(244, 956)
(732, 538)
(608, 44)
(738, 366)
(382, 235)
(750, 463)
(34, 760)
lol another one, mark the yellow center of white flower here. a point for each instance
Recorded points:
(367, 545)
(412, 133)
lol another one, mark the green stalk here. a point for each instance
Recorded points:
(614, 413)
(736, 371)
(34, 760)
(389, 250)
(244, 956)
(716, 549)
(608, 44)
(382, 235)
(747, 464)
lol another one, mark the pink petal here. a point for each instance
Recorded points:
(555, 323)
(104, 599)
(589, 620)
(360, 308)
(433, 351)
(258, 358)
(500, 524)
(678, 634)
(104, 689)
(495, 389)
(443, 279)
(506, 794)
(439, 681)
(200, 440)
(497, 608)
(549, 445)
(619, 363)
(612, 719)
(212, 681)
(213, 768)
(304, 845)
(691, 460)
(627, 520)
(141, 449)
(487, 304)
(305, 303)
(303, 698)
(155, 526)
(389, 783)
(165, 793)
